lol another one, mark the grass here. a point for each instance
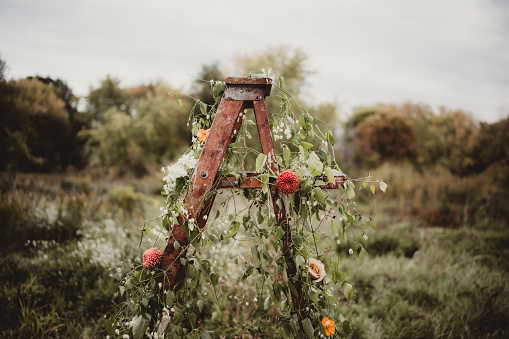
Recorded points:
(453, 285)
(424, 276)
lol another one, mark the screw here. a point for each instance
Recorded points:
(204, 174)
(258, 97)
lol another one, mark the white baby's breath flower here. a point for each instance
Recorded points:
(350, 251)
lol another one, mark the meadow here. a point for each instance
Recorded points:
(436, 264)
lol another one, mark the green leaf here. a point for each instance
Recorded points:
(199, 303)
(383, 186)
(280, 232)
(330, 174)
(347, 290)
(372, 188)
(259, 217)
(306, 145)
(266, 303)
(233, 230)
(121, 290)
(371, 224)
(205, 335)
(336, 229)
(313, 295)
(307, 226)
(286, 154)
(350, 192)
(299, 260)
(255, 252)
(362, 253)
(319, 195)
(330, 137)
(264, 178)
(319, 183)
(260, 162)
(314, 164)
(170, 298)
(214, 278)
(203, 108)
(140, 325)
(308, 328)
(179, 102)
(176, 245)
(279, 204)
(248, 271)
(302, 121)
(347, 327)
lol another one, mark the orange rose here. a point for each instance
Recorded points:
(203, 134)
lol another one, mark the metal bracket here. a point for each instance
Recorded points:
(244, 93)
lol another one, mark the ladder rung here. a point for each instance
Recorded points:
(250, 180)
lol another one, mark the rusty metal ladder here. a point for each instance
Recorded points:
(240, 94)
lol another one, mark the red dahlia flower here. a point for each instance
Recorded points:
(287, 182)
(151, 257)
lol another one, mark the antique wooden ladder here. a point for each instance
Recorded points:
(240, 94)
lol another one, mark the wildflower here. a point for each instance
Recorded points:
(203, 134)
(151, 257)
(350, 251)
(329, 326)
(316, 270)
(287, 182)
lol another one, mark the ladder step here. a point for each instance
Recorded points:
(250, 180)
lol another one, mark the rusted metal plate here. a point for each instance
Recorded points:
(265, 83)
(243, 93)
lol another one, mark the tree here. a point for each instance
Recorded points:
(146, 140)
(491, 147)
(108, 95)
(385, 137)
(201, 87)
(35, 127)
(74, 152)
(446, 139)
(283, 60)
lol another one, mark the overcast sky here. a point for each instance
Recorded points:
(452, 53)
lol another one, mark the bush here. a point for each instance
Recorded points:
(126, 199)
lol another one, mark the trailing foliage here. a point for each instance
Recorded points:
(306, 161)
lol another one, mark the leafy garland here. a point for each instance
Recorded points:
(319, 219)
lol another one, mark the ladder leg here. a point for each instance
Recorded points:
(262, 122)
(199, 199)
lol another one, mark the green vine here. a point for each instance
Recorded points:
(235, 271)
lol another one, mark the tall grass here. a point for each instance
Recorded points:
(436, 265)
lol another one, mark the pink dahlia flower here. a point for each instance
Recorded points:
(151, 257)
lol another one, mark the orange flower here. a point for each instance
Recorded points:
(329, 325)
(203, 134)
